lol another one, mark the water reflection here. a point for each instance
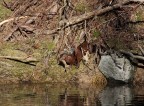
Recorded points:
(70, 95)
(116, 96)
(71, 100)
(138, 99)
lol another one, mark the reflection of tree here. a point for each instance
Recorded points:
(92, 97)
(86, 96)
(67, 99)
(47, 103)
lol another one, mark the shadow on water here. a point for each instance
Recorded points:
(70, 95)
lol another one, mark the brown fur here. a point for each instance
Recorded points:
(76, 57)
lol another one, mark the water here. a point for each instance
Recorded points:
(70, 95)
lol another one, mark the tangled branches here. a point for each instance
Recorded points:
(110, 23)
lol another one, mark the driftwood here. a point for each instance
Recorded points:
(29, 60)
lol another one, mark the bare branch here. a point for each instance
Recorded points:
(141, 49)
(132, 55)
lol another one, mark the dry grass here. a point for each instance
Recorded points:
(139, 77)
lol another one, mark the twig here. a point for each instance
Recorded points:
(141, 49)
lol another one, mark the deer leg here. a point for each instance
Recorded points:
(96, 57)
(77, 65)
(65, 64)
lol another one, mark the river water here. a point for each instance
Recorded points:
(70, 95)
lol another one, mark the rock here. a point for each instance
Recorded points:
(117, 68)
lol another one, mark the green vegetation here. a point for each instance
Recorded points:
(3, 12)
(139, 16)
(81, 7)
(96, 33)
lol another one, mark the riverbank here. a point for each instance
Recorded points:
(33, 61)
(29, 45)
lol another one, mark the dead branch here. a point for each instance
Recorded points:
(137, 57)
(27, 28)
(48, 32)
(12, 19)
(136, 22)
(10, 35)
(141, 49)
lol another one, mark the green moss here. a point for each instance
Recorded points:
(48, 45)
(81, 7)
(96, 33)
(139, 16)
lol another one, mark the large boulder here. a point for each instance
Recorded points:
(117, 68)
